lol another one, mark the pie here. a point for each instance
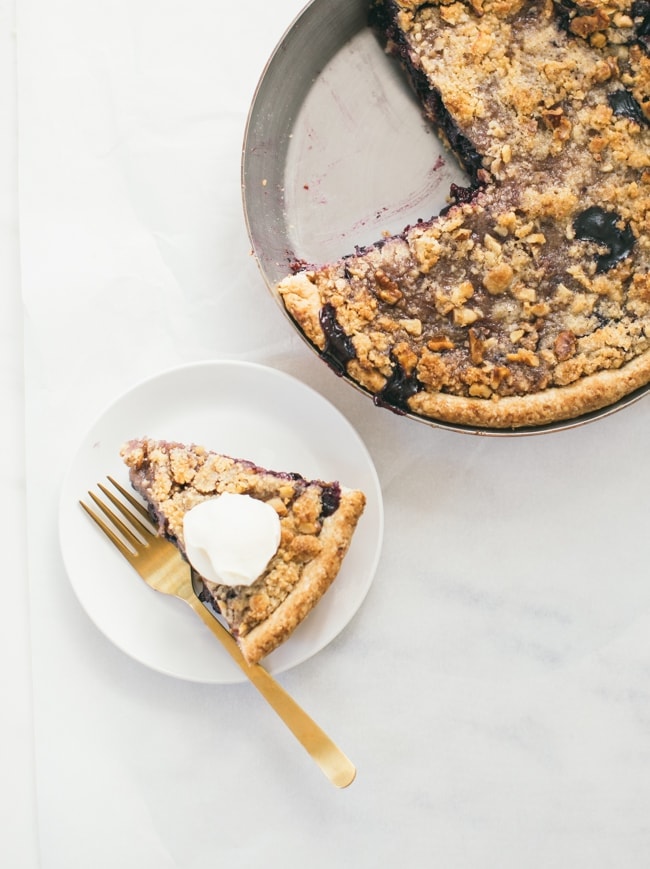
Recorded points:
(317, 523)
(526, 301)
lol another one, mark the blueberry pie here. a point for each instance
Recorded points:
(527, 300)
(267, 544)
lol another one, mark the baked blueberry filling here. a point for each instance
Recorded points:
(624, 105)
(641, 15)
(399, 387)
(330, 500)
(564, 9)
(596, 224)
(339, 348)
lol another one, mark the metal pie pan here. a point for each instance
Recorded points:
(337, 154)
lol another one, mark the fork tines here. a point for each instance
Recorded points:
(132, 537)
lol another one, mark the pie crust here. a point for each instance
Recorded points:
(317, 521)
(527, 300)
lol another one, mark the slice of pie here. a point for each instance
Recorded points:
(316, 523)
(527, 301)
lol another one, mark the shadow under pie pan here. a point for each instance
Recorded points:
(337, 155)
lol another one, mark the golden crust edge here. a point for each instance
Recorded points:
(317, 576)
(557, 404)
(302, 302)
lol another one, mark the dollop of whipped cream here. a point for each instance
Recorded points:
(230, 539)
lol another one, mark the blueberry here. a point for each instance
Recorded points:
(330, 500)
(339, 348)
(399, 387)
(563, 10)
(641, 14)
(624, 105)
(596, 224)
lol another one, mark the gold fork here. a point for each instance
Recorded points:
(163, 568)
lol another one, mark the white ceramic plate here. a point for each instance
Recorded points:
(240, 409)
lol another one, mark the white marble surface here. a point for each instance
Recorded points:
(494, 688)
(18, 841)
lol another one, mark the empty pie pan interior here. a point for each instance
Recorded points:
(337, 154)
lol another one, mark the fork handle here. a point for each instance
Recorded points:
(332, 761)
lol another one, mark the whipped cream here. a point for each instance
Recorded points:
(230, 539)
